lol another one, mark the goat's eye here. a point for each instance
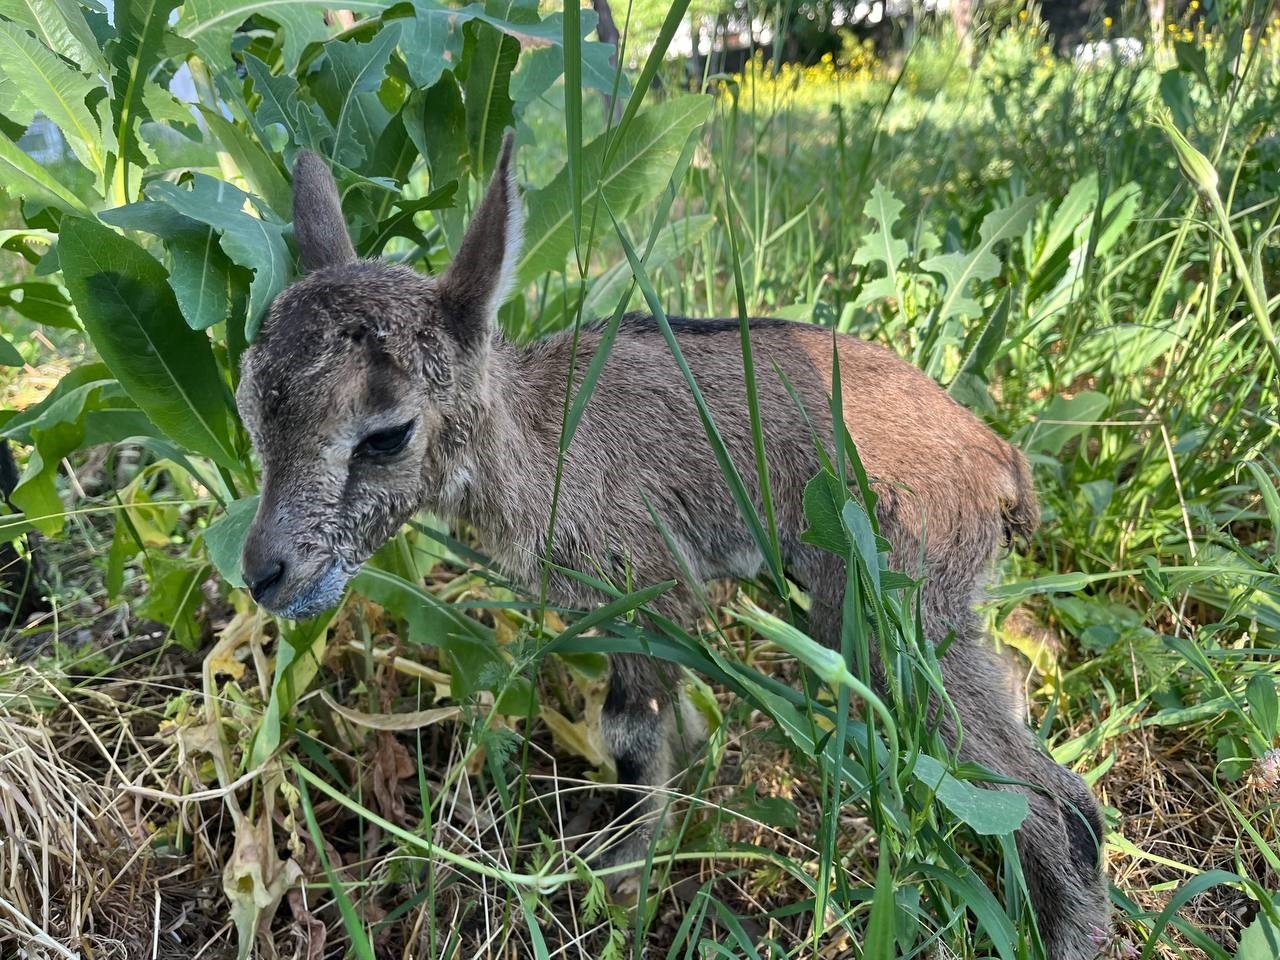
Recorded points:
(385, 443)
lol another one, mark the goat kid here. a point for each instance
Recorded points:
(374, 392)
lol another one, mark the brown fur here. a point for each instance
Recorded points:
(359, 347)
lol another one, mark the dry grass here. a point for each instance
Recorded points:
(103, 856)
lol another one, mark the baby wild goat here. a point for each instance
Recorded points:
(374, 392)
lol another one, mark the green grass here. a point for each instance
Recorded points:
(1019, 229)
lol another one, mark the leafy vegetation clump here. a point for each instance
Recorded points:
(1083, 254)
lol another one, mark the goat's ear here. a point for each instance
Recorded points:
(318, 226)
(483, 272)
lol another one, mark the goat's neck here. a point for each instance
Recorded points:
(497, 464)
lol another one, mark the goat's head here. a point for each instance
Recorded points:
(359, 386)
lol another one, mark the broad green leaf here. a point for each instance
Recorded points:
(970, 384)
(434, 20)
(540, 67)
(256, 165)
(1260, 940)
(200, 277)
(163, 106)
(199, 271)
(131, 316)
(1064, 419)
(60, 25)
(56, 90)
(436, 122)
(41, 302)
(987, 811)
(959, 270)
(24, 179)
(174, 596)
(824, 499)
(346, 87)
(1074, 211)
(13, 106)
(641, 166)
(881, 288)
(489, 57)
(9, 355)
(18, 426)
(224, 540)
(431, 43)
(1118, 212)
(248, 240)
(1263, 706)
(58, 429)
(400, 223)
(674, 240)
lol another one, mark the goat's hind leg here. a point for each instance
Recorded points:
(648, 731)
(1059, 844)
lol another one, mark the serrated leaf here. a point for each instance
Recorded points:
(250, 241)
(131, 316)
(346, 88)
(56, 90)
(61, 26)
(642, 163)
(212, 24)
(959, 270)
(281, 102)
(881, 246)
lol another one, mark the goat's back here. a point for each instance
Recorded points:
(950, 490)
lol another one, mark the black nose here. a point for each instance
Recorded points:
(264, 579)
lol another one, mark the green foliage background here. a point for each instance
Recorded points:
(1092, 283)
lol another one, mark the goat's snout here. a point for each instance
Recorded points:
(263, 576)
